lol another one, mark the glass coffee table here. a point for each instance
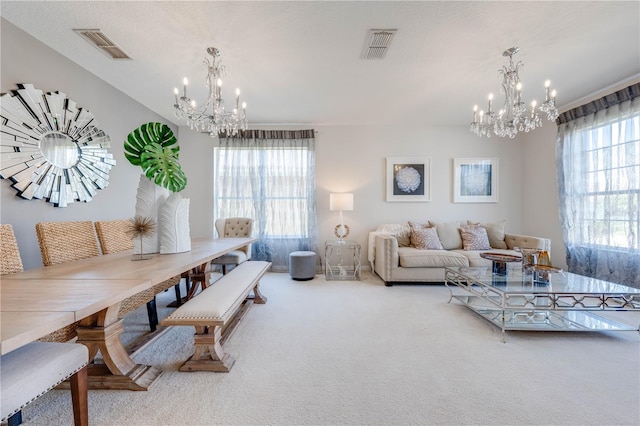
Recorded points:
(544, 300)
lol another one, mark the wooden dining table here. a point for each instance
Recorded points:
(39, 301)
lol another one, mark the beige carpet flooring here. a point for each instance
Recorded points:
(337, 353)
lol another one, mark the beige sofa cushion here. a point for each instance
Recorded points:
(449, 234)
(414, 258)
(526, 241)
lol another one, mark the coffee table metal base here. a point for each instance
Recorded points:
(514, 303)
(542, 320)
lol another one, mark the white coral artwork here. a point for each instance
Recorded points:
(149, 198)
(408, 179)
(173, 225)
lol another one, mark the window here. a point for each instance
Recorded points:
(599, 187)
(269, 176)
(610, 185)
(275, 181)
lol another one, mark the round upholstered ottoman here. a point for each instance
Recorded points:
(302, 265)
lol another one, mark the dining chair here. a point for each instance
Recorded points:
(11, 263)
(234, 227)
(10, 260)
(113, 238)
(66, 241)
(23, 377)
(62, 242)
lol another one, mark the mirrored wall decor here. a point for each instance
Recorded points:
(50, 148)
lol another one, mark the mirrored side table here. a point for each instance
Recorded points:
(342, 260)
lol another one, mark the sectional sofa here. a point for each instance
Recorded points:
(398, 258)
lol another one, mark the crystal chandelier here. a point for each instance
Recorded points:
(514, 117)
(211, 117)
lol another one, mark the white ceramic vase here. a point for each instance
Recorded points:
(149, 198)
(173, 225)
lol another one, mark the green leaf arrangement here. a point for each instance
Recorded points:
(154, 147)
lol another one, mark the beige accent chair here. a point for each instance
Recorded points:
(234, 227)
(113, 238)
(32, 370)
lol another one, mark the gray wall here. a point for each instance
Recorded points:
(26, 60)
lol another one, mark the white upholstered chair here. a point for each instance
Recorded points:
(234, 227)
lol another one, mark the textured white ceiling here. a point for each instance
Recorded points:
(300, 62)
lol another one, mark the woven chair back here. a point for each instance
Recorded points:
(113, 236)
(66, 241)
(10, 260)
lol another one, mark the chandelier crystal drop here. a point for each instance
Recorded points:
(211, 117)
(514, 117)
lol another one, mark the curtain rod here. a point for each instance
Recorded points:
(272, 134)
(615, 98)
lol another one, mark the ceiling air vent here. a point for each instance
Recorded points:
(377, 43)
(99, 39)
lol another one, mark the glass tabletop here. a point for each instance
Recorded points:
(517, 281)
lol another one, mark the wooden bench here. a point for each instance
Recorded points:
(216, 311)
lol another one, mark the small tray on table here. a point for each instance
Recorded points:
(500, 261)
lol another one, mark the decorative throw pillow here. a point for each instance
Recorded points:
(495, 232)
(403, 237)
(474, 237)
(425, 238)
(400, 231)
(448, 234)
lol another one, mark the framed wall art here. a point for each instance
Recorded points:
(408, 179)
(475, 180)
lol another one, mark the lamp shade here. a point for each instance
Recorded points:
(341, 202)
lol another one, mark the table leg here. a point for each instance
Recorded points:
(258, 297)
(199, 275)
(101, 332)
(446, 284)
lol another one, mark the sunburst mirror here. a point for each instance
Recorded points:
(50, 148)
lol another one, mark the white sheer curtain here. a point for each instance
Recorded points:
(269, 176)
(598, 154)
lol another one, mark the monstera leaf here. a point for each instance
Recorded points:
(154, 147)
(160, 164)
